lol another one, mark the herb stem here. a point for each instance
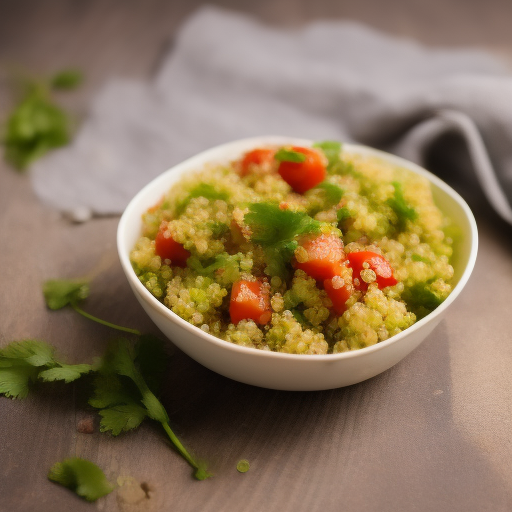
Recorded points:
(177, 443)
(104, 322)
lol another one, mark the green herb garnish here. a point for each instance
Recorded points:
(416, 257)
(24, 362)
(270, 225)
(67, 79)
(37, 124)
(81, 476)
(336, 165)
(402, 209)
(333, 193)
(342, 214)
(331, 149)
(289, 155)
(276, 230)
(421, 299)
(122, 406)
(59, 293)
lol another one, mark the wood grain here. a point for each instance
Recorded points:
(420, 437)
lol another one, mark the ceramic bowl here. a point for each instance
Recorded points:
(290, 371)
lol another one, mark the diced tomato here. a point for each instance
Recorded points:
(338, 292)
(325, 255)
(249, 301)
(258, 156)
(375, 262)
(169, 249)
(302, 176)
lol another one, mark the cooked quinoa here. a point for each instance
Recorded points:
(259, 262)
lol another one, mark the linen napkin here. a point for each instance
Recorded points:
(229, 77)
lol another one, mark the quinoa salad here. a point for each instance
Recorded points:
(302, 250)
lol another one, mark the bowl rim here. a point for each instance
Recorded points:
(202, 158)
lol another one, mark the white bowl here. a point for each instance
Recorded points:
(290, 371)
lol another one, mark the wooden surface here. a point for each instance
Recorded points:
(431, 434)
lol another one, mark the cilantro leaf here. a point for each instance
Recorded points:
(270, 225)
(333, 193)
(66, 372)
(31, 352)
(66, 79)
(229, 263)
(23, 362)
(289, 155)
(61, 292)
(278, 257)
(399, 205)
(121, 418)
(81, 476)
(15, 381)
(421, 299)
(35, 126)
(331, 149)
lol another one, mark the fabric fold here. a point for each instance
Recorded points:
(229, 77)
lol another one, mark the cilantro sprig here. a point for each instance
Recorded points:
(125, 385)
(276, 230)
(59, 293)
(124, 405)
(271, 226)
(81, 476)
(24, 362)
(37, 124)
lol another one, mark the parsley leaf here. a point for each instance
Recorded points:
(81, 476)
(58, 293)
(399, 205)
(66, 79)
(289, 155)
(270, 225)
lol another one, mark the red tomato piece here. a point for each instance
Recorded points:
(375, 262)
(249, 301)
(325, 254)
(169, 249)
(302, 176)
(338, 292)
(258, 156)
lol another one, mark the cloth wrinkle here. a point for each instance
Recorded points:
(229, 77)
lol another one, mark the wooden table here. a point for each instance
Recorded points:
(431, 434)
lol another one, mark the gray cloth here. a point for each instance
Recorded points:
(229, 77)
